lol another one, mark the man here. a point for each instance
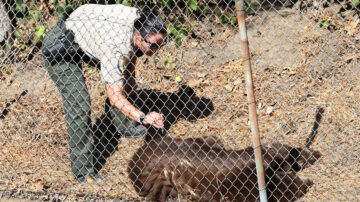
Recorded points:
(114, 35)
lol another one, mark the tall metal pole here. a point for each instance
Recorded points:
(240, 11)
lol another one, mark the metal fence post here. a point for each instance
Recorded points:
(240, 12)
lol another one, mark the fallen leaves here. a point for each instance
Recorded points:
(35, 155)
(351, 57)
(229, 87)
(269, 110)
(195, 82)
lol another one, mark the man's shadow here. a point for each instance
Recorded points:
(174, 106)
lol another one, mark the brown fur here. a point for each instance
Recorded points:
(201, 169)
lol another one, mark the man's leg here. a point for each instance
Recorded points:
(106, 140)
(107, 130)
(124, 125)
(69, 79)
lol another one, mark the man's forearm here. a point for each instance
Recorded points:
(117, 98)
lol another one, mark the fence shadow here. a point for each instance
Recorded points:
(174, 106)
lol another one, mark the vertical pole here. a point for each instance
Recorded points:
(240, 11)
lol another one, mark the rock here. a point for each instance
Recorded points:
(229, 87)
(269, 110)
(5, 23)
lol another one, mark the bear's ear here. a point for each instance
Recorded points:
(186, 90)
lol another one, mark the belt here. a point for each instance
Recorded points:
(63, 46)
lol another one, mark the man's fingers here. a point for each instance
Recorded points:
(158, 123)
(155, 119)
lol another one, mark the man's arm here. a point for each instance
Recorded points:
(117, 98)
(117, 92)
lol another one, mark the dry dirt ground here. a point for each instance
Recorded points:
(298, 65)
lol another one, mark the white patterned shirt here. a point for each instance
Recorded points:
(105, 32)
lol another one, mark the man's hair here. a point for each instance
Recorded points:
(149, 22)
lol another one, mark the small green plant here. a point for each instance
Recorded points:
(62, 6)
(224, 18)
(170, 62)
(193, 5)
(178, 79)
(18, 33)
(39, 34)
(125, 2)
(178, 31)
(325, 23)
(355, 2)
(21, 9)
(250, 6)
(90, 70)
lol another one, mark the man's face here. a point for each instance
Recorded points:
(150, 44)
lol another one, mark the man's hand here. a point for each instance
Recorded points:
(154, 119)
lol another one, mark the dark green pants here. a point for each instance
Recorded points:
(69, 79)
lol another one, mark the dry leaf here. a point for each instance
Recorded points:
(229, 87)
(348, 58)
(194, 83)
(269, 110)
(201, 74)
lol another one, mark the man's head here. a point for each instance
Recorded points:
(149, 32)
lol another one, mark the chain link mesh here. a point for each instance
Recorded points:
(305, 59)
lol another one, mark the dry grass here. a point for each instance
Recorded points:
(314, 70)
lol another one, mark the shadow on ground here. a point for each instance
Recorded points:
(183, 104)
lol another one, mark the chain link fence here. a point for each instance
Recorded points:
(55, 145)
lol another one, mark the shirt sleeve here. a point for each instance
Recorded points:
(113, 67)
(114, 50)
